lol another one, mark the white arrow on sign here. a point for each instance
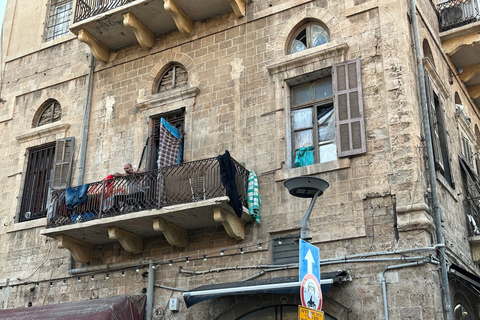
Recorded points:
(310, 260)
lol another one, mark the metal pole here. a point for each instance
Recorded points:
(304, 231)
(151, 280)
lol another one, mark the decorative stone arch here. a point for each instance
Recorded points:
(47, 96)
(167, 61)
(322, 15)
(427, 51)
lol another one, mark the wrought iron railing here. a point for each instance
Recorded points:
(89, 8)
(457, 13)
(167, 186)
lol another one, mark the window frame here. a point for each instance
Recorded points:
(307, 27)
(54, 104)
(57, 23)
(173, 84)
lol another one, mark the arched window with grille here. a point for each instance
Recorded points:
(309, 35)
(175, 77)
(51, 111)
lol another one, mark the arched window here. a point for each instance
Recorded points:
(427, 52)
(175, 77)
(310, 35)
(51, 112)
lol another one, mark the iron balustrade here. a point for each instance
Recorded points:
(178, 184)
(457, 13)
(89, 8)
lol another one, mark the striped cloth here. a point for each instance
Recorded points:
(253, 196)
(169, 145)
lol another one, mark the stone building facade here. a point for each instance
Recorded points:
(371, 96)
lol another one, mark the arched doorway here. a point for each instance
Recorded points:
(278, 312)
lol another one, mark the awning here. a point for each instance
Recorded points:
(118, 308)
(283, 285)
(471, 279)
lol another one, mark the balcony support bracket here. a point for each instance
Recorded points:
(81, 251)
(474, 91)
(183, 22)
(238, 7)
(175, 235)
(451, 46)
(131, 242)
(234, 226)
(144, 36)
(470, 72)
(100, 51)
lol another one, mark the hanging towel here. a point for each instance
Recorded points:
(253, 196)
(227, 175)
(304, 157)
(75, 197)
(169, 144)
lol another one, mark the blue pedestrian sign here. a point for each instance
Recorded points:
(309, 260)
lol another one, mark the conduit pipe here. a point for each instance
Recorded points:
(384, 286)
(151, 280)
(437, 213)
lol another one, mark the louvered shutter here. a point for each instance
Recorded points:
(350, 124)
(434, 129)
(62, 166)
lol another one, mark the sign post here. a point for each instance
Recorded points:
(309, 275)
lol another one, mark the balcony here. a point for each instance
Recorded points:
(460, 34)
(110, 25)
(168, 201)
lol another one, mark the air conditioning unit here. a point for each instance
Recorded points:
(462, 13)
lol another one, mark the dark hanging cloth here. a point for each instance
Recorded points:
(76, 197)
(227, 175)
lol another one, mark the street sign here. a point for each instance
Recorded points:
(309, 275)
(309, 260)
(309, 314)
(311, 292)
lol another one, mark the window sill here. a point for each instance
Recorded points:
(446, 185)
(312, 169)
(42, 131)
(19, 226)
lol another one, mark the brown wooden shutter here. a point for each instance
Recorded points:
(434, 129)
(350, 124)
(62, 166)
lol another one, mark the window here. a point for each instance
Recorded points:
(176, 119)
(308, 36)
(175, 77)
(49, 165)
(327, 115)
(438, 131)
(285, 249)
(461, 313)
(52, 112)
(467, 150)
(58, 19)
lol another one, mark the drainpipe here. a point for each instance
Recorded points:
(151, 280)
(86, 117)
(384, 286)
(437, 213)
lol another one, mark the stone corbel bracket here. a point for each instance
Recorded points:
(451, 46)
(475, 246)
(470, 72)
(233, 225)
(175, 235)
(100, 52)
(81, 251)
(183, 22)
(238, 7)
(474, 91)
(131, 242)
(144, 36)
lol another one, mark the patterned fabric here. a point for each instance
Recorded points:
(253, 196)
(169, 145)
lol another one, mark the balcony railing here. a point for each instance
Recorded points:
(89, 8)
(167, 186)
(457, 13)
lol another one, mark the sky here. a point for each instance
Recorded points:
(2, 9)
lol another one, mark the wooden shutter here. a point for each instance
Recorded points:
(350, 124)
(434, 129)
(62, 166)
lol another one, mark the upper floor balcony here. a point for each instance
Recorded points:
(460, 34)
(168, 201)
(109, 25)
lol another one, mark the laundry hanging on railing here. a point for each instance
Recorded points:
(228, 173)
(169, 145)
(76, 197)
(253, 196)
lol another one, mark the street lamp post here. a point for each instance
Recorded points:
(306, 187)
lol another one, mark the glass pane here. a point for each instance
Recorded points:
(302, 119)
(302, 139)
(328, 152)
(323, 88)
(297, 46)
(302, 94)
(326, 124)
(319, 35)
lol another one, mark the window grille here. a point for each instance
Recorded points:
(175, 77)
(58, 19)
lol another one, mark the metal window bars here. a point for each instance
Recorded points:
(167, 186)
